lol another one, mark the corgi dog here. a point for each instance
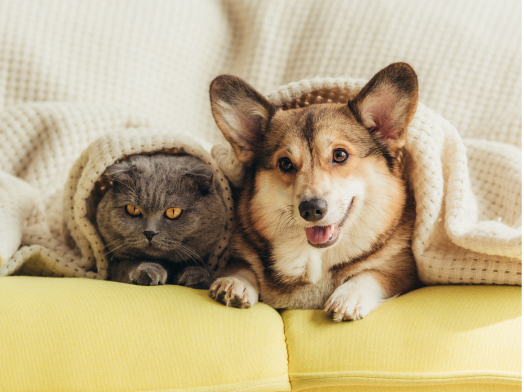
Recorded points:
(324, 217)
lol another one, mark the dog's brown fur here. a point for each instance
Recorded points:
(370, 259)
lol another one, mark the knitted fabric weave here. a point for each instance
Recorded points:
(77, 249)
(158, 57)
(468, 193)
(74, 71)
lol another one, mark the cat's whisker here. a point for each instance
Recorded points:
(152, 185)
(199, 259)
(192, 258)
(113, 248)
(180, 255)
(183, 255)
(190, 250)
(112, 251)
(115, 242)
(192, 254)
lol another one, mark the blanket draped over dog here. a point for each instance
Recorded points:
(467, 192)
(72, 72)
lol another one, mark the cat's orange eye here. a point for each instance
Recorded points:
(173, 212)
(133, 210)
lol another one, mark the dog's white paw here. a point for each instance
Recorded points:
(234, 292)
(148, 274)
(354, 299)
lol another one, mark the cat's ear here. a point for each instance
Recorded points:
(241, 113)
(387, 103)
(118, 172)
(203, 181)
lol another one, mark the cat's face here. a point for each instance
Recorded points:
(163, 207)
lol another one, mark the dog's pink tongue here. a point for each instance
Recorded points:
(318, 234)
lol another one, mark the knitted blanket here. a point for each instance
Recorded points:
(72, 72)
(468, 226)
(62, 238)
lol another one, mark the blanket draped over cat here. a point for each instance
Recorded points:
(467, 191)
(79, 249)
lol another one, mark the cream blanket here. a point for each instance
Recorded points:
(71, 72)
(468, 226)
(60, 237)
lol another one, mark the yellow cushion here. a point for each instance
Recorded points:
(445, 338)
(61, 334)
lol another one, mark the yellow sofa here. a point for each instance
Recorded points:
(66, 334)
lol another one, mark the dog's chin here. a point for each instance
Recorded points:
(326, 236)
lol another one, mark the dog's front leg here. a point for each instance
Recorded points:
(354, 299)
(238, 287)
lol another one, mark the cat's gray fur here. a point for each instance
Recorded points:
(178, 253)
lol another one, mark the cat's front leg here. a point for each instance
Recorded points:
(140, 273)
(356, 298)
(148, 274)
(238, 287)
(195, 276)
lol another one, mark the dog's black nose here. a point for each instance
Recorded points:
(149, 234)
(313, 210)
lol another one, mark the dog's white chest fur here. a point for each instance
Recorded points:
(299, 261)
(309, 265)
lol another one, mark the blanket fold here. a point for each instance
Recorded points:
(468, 227)
(85, 187)
(49, 224)
(84, 70)
(468, 192)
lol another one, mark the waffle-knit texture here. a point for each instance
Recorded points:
(468, 224)
(68, 242)
(73, 71)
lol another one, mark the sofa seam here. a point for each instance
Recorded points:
(287, 347)
(512, 378)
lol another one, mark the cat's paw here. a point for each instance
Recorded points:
(148, 274)
(352, 302)
(234, 292)
(195, 277)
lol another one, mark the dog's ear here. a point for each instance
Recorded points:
(241, 113)
(387, 103)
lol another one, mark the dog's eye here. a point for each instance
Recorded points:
(285, 164)
(340, 156)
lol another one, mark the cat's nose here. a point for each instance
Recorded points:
(149, 234)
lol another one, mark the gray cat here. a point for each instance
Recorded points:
(161, 220)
